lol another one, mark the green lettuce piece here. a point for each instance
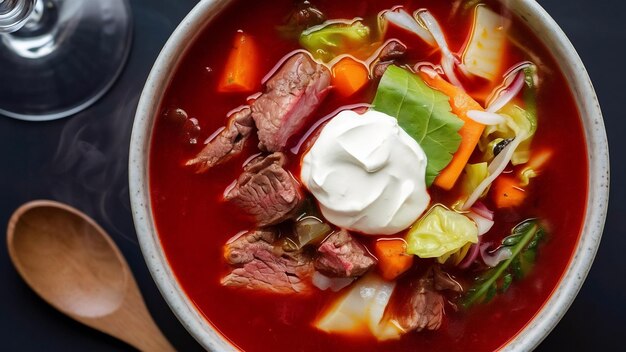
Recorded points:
(424, 113)
(440, 233)
(326, 41)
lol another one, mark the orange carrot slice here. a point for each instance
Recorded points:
(507, 192)
(349, 76)
(392, 257)
(241, 70)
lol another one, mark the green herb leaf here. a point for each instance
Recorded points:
(507, 280)
(424, 113)
(527, 234)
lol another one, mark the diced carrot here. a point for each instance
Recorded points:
(241, 70)
(392, 257)
(470, 133)
(349, 76)
(507, 192)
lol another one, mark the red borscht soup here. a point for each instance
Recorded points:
(368, 175)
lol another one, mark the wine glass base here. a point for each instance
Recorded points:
(56, 73)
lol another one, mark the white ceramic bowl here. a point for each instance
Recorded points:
(597, 151)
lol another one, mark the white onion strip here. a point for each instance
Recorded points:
(448, 61)
(485, 117)
(493, 259)
(402, 19)
(497, 165)
(481, 209)
(510, 87)
(428, 68)
(483, 224)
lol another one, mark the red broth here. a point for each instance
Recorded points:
(193, 223)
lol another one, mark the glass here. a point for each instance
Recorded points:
(57, 57)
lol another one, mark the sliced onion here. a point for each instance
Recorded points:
(428, 68)
(335, 284)
(448, 64)
(481, 209)
(493, 259)
(483, 224)
(402, 19)
(471, 256)
(510, 87)
(497, 165)
(485, 117)
(448, 61)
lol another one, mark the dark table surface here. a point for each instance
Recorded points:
(83, 161)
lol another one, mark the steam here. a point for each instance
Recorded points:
(90, 166)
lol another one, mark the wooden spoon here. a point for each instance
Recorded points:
(71, 262)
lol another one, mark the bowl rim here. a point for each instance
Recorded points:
(528, 337)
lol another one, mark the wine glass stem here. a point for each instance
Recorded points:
(14, 14)
(39, 35)
(36, 16)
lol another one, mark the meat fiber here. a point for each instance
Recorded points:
(425, 306)
(266, 191)
(259, 265)
(226, 143)
(291, 95)
(341, 255)
(392, 51)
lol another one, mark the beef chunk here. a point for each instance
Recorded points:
(259, 265)
(392, 51)
(226, 143)
(266, 191)
(290, 96)
(341, 255)
(425, 306)
(444, 282)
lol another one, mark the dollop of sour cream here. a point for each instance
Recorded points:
(367, 173)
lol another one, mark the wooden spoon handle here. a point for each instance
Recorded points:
(131, 323)
(139, 329)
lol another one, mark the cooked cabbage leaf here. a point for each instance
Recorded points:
(326, 41)
(362, 310)
(535, 165)
(487, 44)
(474, 175)
(441, 233)
(424, 113)
(517, 121)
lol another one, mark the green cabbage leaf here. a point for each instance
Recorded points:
(440, 232)
(326, 41)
